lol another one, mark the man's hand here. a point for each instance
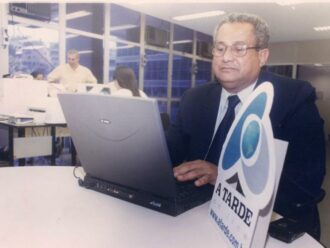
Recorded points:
(201, 171)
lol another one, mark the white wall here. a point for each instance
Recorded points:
(306, 52)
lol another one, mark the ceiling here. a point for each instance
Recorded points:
(287, 23)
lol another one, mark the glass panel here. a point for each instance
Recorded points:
(155, 73)
(38, 11)
(162, 106)
(204, 45)
(284, 70)
(183, 39)
(181, 75)
(203, 74)
(174, 109)
(32, 48)
(91, 52)
(125, 23)
(157, 32)
(88, 17)
(124, 54)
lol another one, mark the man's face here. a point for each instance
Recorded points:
(73, 60)
(234, 72)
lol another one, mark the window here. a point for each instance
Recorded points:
(203, 72)
(155, 73)
(181, 75)
(30, 49)
(124, 54)
(87, 17)
(204, 45)
(182, 39)
(284, 70)
(125, 24)
(157, 32)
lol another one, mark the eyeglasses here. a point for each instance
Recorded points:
(237, 49)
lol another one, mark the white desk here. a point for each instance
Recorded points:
(45, 207)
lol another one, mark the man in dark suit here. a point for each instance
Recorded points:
(240, 50)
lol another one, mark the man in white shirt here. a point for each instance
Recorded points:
(72, 73)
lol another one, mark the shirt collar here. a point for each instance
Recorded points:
(242, 95)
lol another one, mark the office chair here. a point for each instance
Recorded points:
(165, 118)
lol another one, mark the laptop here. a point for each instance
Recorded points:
(121, 146)
(94, 88)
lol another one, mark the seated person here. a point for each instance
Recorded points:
(240, 51)
(71, 74)
(37, 75)
(124, 83)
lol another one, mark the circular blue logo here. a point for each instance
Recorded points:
(250, 139)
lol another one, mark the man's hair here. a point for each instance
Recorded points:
(261, 28)
(73, 52)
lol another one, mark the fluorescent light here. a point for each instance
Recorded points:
(291, 2)
(318, 64)
(123, 47)
(85, 52)
(322, 28)
(69, 36)
(121, 27)
(181, 42)
(114, 46)
(77, 14)
(199, 15)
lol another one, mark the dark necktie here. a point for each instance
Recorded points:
(213, 154)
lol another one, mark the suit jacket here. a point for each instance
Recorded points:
(294, 117)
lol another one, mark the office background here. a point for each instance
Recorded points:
(167, 58)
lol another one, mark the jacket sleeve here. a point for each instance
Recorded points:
(176, 136)
(304, 167)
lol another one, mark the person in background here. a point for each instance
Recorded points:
(37, 75)
(240, 51)
(70, 75)
(124, 83)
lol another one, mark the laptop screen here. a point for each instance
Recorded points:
(120, 140)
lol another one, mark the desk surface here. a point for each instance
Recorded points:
(31, 124)
(44, 207)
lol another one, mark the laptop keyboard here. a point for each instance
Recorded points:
(189, 190)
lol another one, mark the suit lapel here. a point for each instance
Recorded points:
(209, 111)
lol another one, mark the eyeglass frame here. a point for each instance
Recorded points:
(246, 47)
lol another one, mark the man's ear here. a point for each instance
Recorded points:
(263, 56)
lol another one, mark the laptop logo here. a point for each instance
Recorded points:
(105, 121)
(155, 204)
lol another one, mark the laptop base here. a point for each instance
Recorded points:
(170, 206)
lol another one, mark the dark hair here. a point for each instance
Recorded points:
(126, 79)
(34, 74)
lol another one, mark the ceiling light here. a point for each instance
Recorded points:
(69, 36)
(291, 2)
(199, 15)
(77, 14)
(124, 47)
(181, 42)
(121, 27)
(85, 52)
(322, 28)
(318, 64)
